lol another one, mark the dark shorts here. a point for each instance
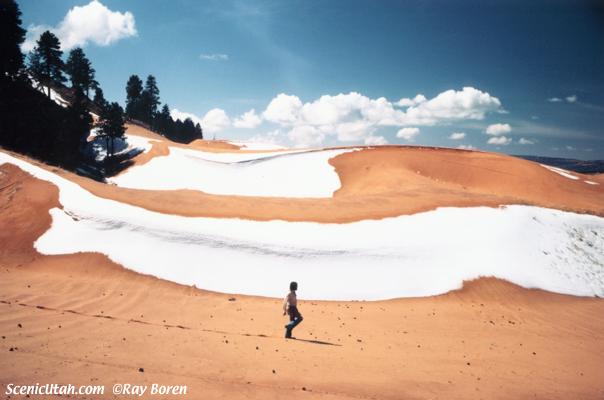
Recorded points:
(293, 313)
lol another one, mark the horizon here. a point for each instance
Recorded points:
(520, 79)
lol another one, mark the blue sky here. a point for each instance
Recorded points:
(534, 72)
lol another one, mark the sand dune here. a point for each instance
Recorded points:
(384, 182)
(82, 319)
(382, 259)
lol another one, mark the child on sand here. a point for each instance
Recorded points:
(290, 305)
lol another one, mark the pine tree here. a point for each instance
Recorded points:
(164, 121)
(112, 125)
(99, 98)
(80, 71)
(134, 89)
(46, 65)
(150, 100)
(71, 141)
(198, 131)
(11, 37)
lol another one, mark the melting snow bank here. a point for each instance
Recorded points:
(283, 174)
(561, 171)
(417, 255)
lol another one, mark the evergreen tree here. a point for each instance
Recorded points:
(71, 141)
(150, 100)
(198, 132)
(134, 89)
(11, 37)
(99, 98)
(80, 71)
(46, 65)
(112, 125)
(164, 121)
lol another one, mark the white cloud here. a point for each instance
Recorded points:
(406, 102)
(457, 135)
(306, 136)
(248, 120)
(570, 148)
(407, 133)
(214, 57)
(498, 129)
(283, 109)
(93, 23)
(375, 140)
(570, 99)
(355, 117)
(271, 137)
(451, 105)
(466, 147)
(526, 141)
(215, 120)
(182, 115)
(354, 130)
(500, 140)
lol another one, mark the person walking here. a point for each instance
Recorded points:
(290, 307)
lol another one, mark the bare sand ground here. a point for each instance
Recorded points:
(82, 319)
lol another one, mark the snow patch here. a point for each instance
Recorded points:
(286, 174)
(560, 171)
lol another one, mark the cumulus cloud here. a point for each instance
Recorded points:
(451, 105)
(355, 117)
(92, 23)
(306, 136)
(247, 120)
(407, 102)
(283, 109)
(353, 130)
(457, 135)
(500, 140)
(570, 148)
(375, 140)
(272, 137)
(466, 147)
(182, 115)
(554, 100)
(214, 57)
(214, 121)
(526, 141)
(407, 133)
(571, 99)
(498, 129)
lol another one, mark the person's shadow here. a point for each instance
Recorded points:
(316, 342)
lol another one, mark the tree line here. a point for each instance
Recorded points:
(31, 123)
(142, 105)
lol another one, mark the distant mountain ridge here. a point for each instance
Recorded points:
(580, 166)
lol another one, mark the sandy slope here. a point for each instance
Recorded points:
(86, 320)
(383, 182)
